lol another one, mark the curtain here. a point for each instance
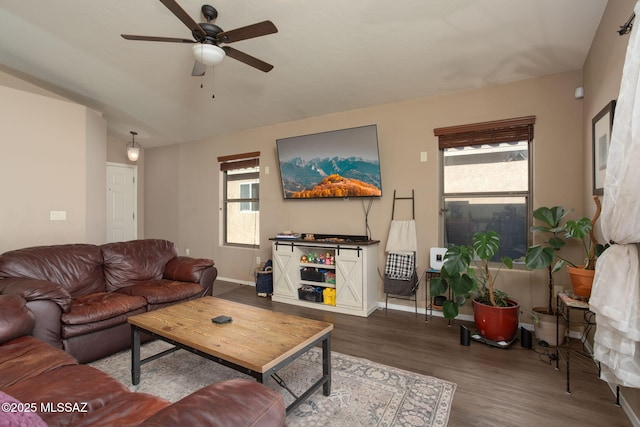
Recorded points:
(615, 297)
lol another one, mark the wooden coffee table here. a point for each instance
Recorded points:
(257, 342)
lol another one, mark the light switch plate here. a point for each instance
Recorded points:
(57, 215)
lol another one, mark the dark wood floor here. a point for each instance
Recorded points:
(495, 387)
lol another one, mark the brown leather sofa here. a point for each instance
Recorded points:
(41, 385)
(82, 294)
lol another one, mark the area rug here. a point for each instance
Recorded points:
(363, 393)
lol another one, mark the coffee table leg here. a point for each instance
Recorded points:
(135, 355)
(326, 365)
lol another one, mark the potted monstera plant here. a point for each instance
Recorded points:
(549, 255)
(466, 273)
(581, 229)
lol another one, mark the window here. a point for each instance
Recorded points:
(241, 199)
(486, 182)
(249, 191)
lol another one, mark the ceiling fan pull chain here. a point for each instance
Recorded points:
(213, 69)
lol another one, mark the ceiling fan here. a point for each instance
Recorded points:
(207, 38)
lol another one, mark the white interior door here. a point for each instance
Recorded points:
(121, 203)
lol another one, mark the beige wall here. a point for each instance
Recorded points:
(602, 75)
(96, 201)
(161, 218)
(404, 130)
(51, 149)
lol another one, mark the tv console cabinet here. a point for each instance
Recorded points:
(351, 271)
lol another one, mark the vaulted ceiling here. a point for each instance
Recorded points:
(328, 56)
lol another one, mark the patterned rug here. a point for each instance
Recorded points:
(363, 393)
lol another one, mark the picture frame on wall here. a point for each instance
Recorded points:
(601, 127)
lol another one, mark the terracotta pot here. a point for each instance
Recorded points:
(581, 280)
(496, 323)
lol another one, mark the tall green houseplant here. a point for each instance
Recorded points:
(466, 272)
(543, 255)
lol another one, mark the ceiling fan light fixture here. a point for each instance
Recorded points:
(208, 54)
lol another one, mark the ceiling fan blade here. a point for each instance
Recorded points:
(198, 69)
(248, 32)
(156, 39)
(247, 59)
(185, 18)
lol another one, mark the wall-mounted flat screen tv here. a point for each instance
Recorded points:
(335, 164)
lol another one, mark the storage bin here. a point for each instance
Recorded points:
(312, 274)
(310, 294)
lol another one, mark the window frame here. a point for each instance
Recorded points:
(234, 163)
(500, 131)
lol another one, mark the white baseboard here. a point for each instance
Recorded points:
(381, 304)
(240, 282)
(633, 417)
(437, 313)
(421, 310)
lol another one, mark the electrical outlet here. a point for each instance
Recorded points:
(423, 156)
(258, 260)
(186, 252)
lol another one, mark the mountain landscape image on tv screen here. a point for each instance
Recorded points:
(336, 164)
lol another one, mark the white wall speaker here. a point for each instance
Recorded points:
(579, 92)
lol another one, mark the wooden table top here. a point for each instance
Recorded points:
(256, 339)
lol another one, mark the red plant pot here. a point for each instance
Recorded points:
(496, 323)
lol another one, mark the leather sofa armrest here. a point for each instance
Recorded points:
(34, 290)
(228, 403)
(16, 319)
(207, 279)
(186, 269)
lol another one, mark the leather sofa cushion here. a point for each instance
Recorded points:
(27, 357)
(75, 267)
(69, 384)
(136, 261)
(163, 291)
(186, 269)
(15, 318)
(101, 306)
(124, 410)
(238, 402)
(70, 331)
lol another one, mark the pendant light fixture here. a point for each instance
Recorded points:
(133, 150)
